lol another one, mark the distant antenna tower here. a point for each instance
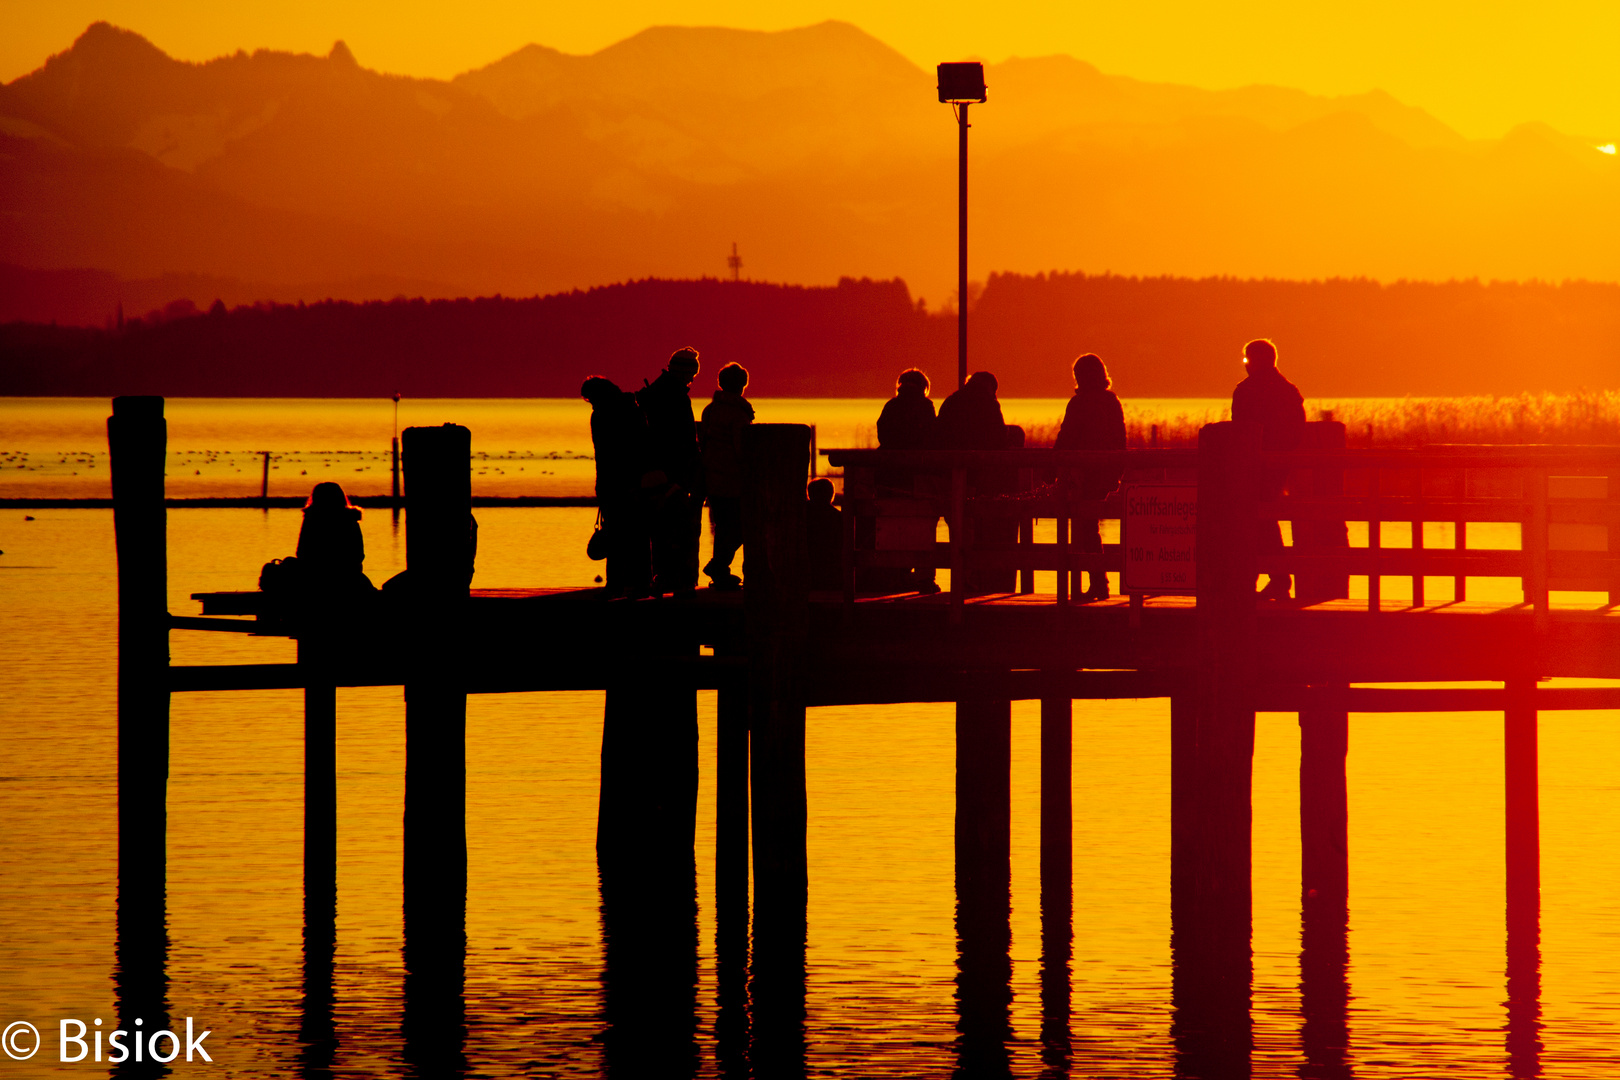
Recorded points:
(735, 262)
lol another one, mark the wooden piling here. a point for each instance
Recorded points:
(731, 813)
(1523, 831)
(438, 485)
(1057, 881)
(1523, 857)
(137, 439)
(320, 782)
(1324, 884)
(1217, 941)
(776, 588)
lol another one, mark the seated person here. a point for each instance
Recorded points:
(824, 528)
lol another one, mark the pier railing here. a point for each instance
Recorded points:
(1565, 502)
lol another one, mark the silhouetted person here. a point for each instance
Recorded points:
(970, 419)
(1093, 420)
(331, 551)
(721, 439)
(907, 422)
(619, 435)
(678, 513)
(1268, 399)
(824, 528)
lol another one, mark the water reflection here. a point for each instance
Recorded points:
(140, 974)
(983, 888)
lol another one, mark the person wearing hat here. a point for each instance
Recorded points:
(673, 437)
(1268, 399)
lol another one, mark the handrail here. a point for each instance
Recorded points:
(1531, 502)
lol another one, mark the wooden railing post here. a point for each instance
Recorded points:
(776, 591)
(137, 440)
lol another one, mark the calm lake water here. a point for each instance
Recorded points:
(1426, 836)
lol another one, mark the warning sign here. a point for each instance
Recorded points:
(1159, 535)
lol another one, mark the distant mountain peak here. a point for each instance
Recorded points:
(341, 55)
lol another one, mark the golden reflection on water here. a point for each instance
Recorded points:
(1427, 938)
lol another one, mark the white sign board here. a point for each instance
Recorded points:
(1159, 535)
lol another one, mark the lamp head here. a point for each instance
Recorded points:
(959, 83)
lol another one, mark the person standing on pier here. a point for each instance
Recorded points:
(971, 419)
(619, 434)
(1268, 399)
(1093, 420)
(720, 437)
(678, 515)
(907, 422)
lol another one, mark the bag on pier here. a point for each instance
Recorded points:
(597, 546)
(279, 575)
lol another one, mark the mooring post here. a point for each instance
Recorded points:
(1057, 880)
(438, 485)
(731, 810)
(1324, 742)
(137, 441)
(776, 591)
(1217, 1033)
(1319, 582)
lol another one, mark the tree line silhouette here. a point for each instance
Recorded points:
(1161, 337)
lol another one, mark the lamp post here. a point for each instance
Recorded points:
(959, 86)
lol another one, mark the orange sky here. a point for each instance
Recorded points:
(1481, 66)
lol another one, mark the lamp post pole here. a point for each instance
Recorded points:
(959, 85)
(961, 245)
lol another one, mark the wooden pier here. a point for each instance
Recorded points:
(778, 648)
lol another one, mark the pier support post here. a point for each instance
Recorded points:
(1214, 969)
(137, 440)
(318, 1029)
(731, 873)
(1057, 880)
(1324, 742)
(776, 583)
(1521, 779)
(438, 488)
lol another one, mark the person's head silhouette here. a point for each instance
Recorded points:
(820, 491)
(981, 382)
(597, 390)
(684, 364)
(912, 381)
(1260, 355)
(1090, 373)
(733, 378)
(327, 496)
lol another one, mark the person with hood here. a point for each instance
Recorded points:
(331, 551)
(720, 439)
(672, 433)
(1093, 420)
(619, 436)
(1266, 398)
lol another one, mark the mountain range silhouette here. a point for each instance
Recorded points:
(820, 150)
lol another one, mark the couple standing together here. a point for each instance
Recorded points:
(656, 467)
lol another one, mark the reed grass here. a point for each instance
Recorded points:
(1583, 418)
